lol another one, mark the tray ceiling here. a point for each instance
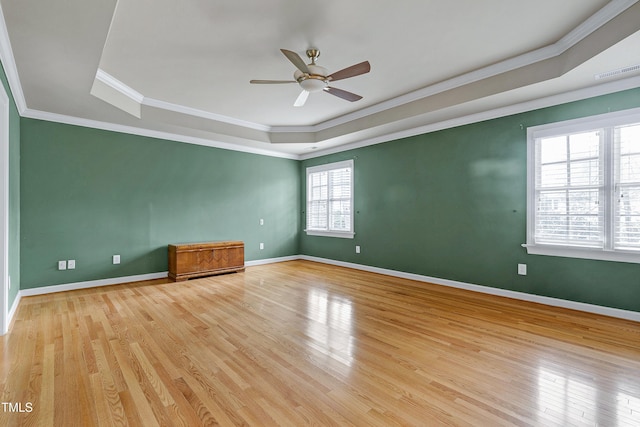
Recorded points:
(182, 69)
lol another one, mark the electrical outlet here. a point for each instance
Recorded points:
(71, 264)
(261, 246)
(522, 269)
(116, 259)
(261, 221)
(357, 249)
(62, 265)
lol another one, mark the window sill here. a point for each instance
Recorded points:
(584, 253)
(340, 234)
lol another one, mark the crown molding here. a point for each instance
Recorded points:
(576, 95)
(140, 99)
(116, 84)
(9, 64)
(133, 130)
(522, 107)
(182, 109)
(596, 21)
(593, 23)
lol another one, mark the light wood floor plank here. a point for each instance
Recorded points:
(302, 343)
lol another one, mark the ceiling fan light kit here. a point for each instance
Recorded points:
(314, 82)
(315, 78)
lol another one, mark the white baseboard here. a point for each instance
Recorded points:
(271, 260)
(555, 302)
(13, 310)
(91, 284)
(125, 279)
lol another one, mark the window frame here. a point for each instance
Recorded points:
(606, 122)
(349, 234)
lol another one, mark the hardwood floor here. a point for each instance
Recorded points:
(301, 343)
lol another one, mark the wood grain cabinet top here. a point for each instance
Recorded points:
(204, 259)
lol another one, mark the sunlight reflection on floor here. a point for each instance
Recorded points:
(330, 325)
(571, 399)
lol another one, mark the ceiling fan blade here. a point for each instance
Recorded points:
(302, 98)
(343, 94)
(296, 60)
(354, 70)
(271, 82)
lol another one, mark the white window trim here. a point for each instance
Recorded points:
(341, 234)
(321, 168)
(561, 128)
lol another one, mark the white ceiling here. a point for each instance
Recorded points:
(181, 70)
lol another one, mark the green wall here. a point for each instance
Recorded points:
(87, 194)
(14, 192)
(452, 205)
(448, 204)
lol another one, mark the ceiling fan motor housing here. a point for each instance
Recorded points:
(315, 81)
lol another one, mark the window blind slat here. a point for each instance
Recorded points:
(627, 210)
(330, 199)
(583, 187)
(568, 190)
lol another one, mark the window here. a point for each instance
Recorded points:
(584, 188)
(330, 200)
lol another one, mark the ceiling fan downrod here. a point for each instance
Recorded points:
(313, 54)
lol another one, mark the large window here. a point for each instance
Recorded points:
(330, 200)
(584, 188)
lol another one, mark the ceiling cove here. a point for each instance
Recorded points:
(561, 70)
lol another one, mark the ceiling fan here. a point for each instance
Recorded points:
(314, 78)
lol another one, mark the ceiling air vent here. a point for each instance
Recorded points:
(613, 73)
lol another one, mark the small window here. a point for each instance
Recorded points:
(330, 200)
(584, 188)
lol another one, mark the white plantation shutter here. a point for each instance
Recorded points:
(318, 197)
(569, 190)
(330, 199)
(627, 187)
(584, 188)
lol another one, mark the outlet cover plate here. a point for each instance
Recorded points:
(522, 269)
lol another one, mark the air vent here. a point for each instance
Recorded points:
(617, 72)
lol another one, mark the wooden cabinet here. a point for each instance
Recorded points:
(205, 259)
